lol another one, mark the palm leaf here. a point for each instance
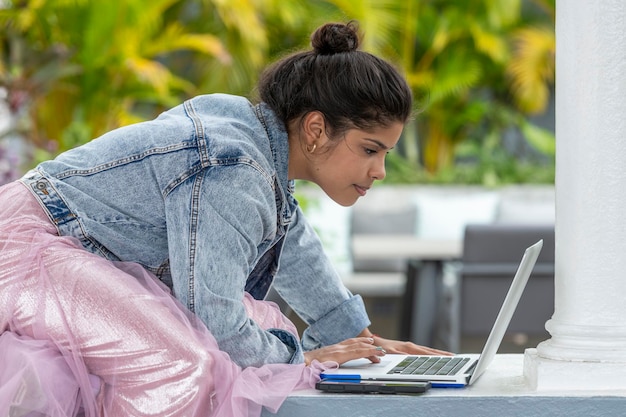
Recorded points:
(490, 43)
(531, 70)
(501, 13)
(378, 20)
(456, 72)
(174, 37)
(157, 76)
(541, 139)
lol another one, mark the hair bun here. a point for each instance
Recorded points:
(334, 38)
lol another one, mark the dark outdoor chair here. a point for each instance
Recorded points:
(491, 255)
(457, 304)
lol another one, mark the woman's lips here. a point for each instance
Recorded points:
(361, 190)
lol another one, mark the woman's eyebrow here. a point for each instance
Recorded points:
(379, 143)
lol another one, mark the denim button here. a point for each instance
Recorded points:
(41, 186)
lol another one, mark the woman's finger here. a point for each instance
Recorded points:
(347, 350)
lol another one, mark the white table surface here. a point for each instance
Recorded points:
(405, 247)
(501, 391)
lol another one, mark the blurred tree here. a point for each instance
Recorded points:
(476, 75)
(478, 68)
(74, 69)
(252, 31)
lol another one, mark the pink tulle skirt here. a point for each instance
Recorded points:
(80, 335)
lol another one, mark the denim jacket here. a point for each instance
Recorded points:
(200, 197)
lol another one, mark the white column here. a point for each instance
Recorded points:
(588, 328)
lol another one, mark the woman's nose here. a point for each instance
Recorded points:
(378, 172)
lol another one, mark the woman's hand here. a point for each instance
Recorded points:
(407, 348)
(355, 348)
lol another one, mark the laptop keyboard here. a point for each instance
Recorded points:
(429, 365)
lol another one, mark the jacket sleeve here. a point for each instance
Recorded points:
(216, 221)
(309, 283)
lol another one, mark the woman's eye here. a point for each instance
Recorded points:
(370, 151)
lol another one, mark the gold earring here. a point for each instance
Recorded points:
(311, 150)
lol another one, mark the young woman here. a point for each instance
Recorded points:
(202, 198)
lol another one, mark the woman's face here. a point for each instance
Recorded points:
(349, 168)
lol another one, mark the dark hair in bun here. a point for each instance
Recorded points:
(350, 87)
(335, 38)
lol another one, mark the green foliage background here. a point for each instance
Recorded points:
(481, 70)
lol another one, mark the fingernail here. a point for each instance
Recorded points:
(381, 349)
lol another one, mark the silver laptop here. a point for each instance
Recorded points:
(445, 371)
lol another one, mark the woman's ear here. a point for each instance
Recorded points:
(314, 129)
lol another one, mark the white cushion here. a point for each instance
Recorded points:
(332, 224)
(524, 211)
(444, 216)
